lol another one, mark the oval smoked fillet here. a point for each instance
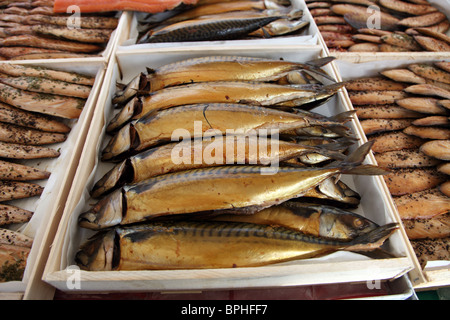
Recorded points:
(152, 6)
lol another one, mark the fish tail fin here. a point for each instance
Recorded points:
(318, 63)
(353, 163)
(374, 239)
(344, 117)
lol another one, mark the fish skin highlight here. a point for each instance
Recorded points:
(253, 93)
(159, 160)
(212, 68)
(218, 188)
(208, 245)
(314, 219)
(157, 127)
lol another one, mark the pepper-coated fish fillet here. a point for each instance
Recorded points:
(20, 151)
(432, 121)
(153, 6)
(12, 190)
(439, 149)
(428, 90)
(376, 83)
(406, 181)
(429, 71)
(432, 44)
(36, 84)
(376, 97)
(198, 245)
(21, 135)
(408, 158)
(406, 7)
(47, 43)
(30, 119)
(100, 36)
(385, 112)
(13, 257)
(18, 70)
(385, 47)
(218, 188)
(371, 126)
(20, 172)
(431, 250)
(422, 204)
(434, 133)
(431, 228)
(401, 40)
(14, 238)
(12, 214)
(364, 47)
(391, 141)
(200, 154)
(424, 105)
(424, 20)
(60, 106)
(158, 127)
(403, 75)
(86, 22)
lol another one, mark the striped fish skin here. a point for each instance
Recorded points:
(313, 219)
(213, 68)
(207, 30)
(252, 93)
(159, 160)
(241, 188)
(200, 245)
(158, 127)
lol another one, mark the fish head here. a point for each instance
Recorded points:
(344, 225)
(97, 253)
(108, 212)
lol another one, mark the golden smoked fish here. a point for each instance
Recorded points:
(241, 188)
(202, 120)
(315, 219)
(204, 153)
(253, 93)
(214, 68)
(199, 245)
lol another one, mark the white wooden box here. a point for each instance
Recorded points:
(49, 206)
(336, 268)
(436, 273)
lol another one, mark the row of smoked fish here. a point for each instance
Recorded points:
(405, 111)
(220, 206)
(31, 30)
(210, 20)
(381, 25)
(38, 107)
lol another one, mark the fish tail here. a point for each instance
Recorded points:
(318, 63)
(344, 117)
(353, 163)
(372, 239)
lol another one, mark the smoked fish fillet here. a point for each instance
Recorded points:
(151, 6)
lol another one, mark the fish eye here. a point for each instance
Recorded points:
(358, 223)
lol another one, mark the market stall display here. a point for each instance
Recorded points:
(34, 31)
(381, 26)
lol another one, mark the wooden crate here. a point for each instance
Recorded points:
(435, 274)
(336, 268)
(48, 208)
